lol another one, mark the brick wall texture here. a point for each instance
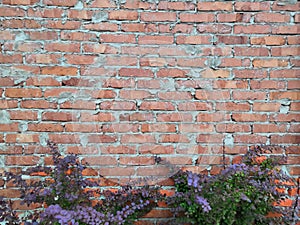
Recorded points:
(119, 82)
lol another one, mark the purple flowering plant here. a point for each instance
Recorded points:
(67, 197)
(241, 194)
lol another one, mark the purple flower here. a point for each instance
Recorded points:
(203, 202)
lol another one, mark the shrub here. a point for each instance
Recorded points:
(241, 194)
(69, 197)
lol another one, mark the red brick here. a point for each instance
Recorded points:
(132, 72)
(249, 95)
(97, 71)
(285, 51)
(69, 25)
(232, 106)
(212, 95)
(157, 62)
(45, 13)
(170, 51)
(117, 105)
(23, 115)
(97, 27)
(156, 149)
(120, 128)
(290, 139)
(78, 36)
(293, 84)
(291, 117)
(134, 94)
(191, 62)
(58, 116)
(295, 106)
(231, 40)
(194, 106)
(175, 117)
(121, 61)
(22, 160)
(196, 18)
(123, 15)
(137, 4)
(45, 35)
(252, 6)
(62, 47)
(79, 104)
(268, 40)
(13, 127)
(157, 106)
(192, 39)
(246, 51)
(137, 138)
(233, 128)
(23, 93)
(100, 48)
(232, 62)
(285, 7)
(38, 104)
(102, 4)
(175, 95)
(246, 117)
(59, 70)
(6, 35)
(80, 59)
(8, 104)
(250, 139)
(196, 128)
(210, 138)
(22, 138)
(293, 40)
(158, 16)
(11, 12)
(265, 63)
(215, 28)
(42, 58)
(294, 128)
(214, 6)
(137, 117)
(271, 18)
(285, 73)
(266, 107)
(174, 138)
(117, 38)
(100, 117)
(10, 58)
(158, 128)
(138, 50)
(171, 73)
(212, 117)
(19, 2)
(268, 128)
(230, 84)
(288, 29)
(64, 138)
(103, 94)
(159, 40)
(252, 29)
(74, 127)
(165, 5)
(60, 2)
(120, 83)
(56, 92)
(80, 14)
(45, 127)
(231, 17)
(149, 84)
(293, 95)
(210, 73)
(267, 84)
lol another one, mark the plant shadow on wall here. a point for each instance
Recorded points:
(250, 192)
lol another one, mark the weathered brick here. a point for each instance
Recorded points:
(158, 16)
(214, 6)
(196, 18)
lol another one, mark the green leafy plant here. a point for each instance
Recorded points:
(241, 194)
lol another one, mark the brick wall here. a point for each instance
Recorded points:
(119, 82)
